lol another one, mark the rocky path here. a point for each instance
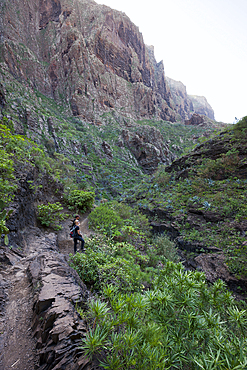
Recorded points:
(17, 346)
(39, 325)
(66, 244)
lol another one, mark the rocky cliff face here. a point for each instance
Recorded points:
(86, 55)
(187, 105)
(201, 106)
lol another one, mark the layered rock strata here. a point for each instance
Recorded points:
(86, 55)
(56, 325)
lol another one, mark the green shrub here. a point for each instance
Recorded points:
(140, 221)
(3, 229)
(106, 262)
(181, 323)
(219, 168)
(161, 250)
(119, 220)
(161, 177)
(123, 210)
(50, 215)
(105, 218)
(240, 129)
(22, 151)
(80, 200)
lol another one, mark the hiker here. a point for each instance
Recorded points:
(78, 235)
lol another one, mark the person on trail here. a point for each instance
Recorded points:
(78, 235)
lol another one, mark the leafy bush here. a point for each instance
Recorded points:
(3, 229)
(50, 215)
(123, 210)
(106, 262)
(119, 220)
(240, 129)
(161, 177)
(140, 221)
(18, 151)
(161, 250)
(105, 218)
(180, 324)
(80, 200)
(7, 178)
(221, 167)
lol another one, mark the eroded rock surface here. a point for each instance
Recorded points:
(214, 149)
(86, 54)
(201, 106)
(48, 291)
(148, 146)
(199, 120)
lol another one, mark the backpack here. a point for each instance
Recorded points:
(72, 232)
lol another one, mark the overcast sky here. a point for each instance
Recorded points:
(203, 44)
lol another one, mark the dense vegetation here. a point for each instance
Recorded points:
(20, 155)
(214, 191)
(52, 127)
(148, 312)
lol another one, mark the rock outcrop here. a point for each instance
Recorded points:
(214, 149)
(56, 325)
(56, 291)
(199, 120)
(86, 55)
(148, 147)
(187, 105)
(2, 98)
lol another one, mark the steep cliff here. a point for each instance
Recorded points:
(86, 55)
(201, 106)
(187, 105)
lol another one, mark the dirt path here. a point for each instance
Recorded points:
(17, 345)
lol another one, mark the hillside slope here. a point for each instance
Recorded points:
(200, 201)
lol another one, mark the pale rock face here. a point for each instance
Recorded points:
(87, 55)
(201, 106)
(186, 105)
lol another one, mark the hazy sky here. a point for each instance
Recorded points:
(203, 44)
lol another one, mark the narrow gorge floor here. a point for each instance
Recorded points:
(18, 346)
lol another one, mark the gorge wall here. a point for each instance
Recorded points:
(187, 105)
(87, 56)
